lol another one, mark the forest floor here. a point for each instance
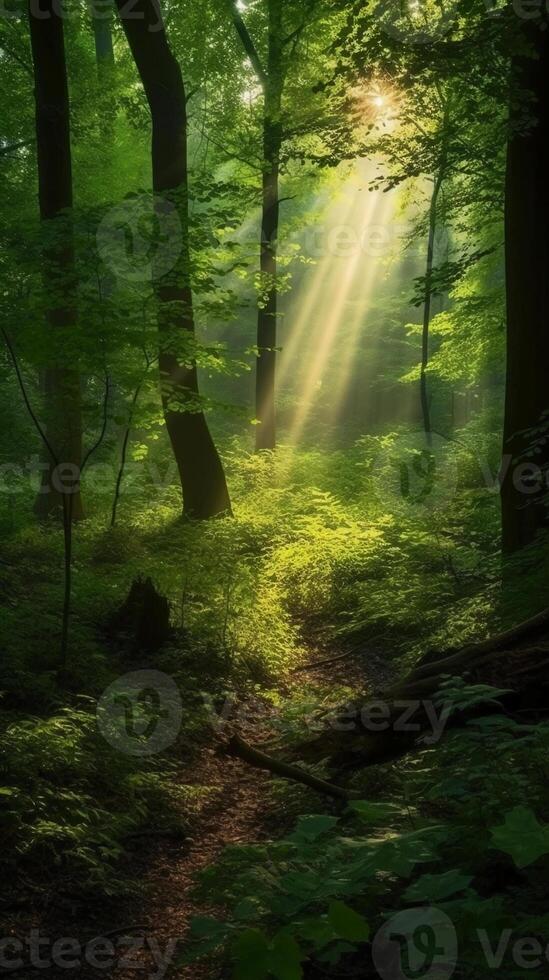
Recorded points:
(232, 804)
(239, 808)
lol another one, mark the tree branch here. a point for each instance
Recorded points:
(26, 399)
(254, 757)
(294, 37)
(248, 44)
(101, 436)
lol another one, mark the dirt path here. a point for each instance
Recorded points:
(147, 935)
(237, 806)
(234, 813)
(233, 805)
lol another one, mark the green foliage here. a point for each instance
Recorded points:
(354, 534)
(69, 800)
(332, 883)
(522, 836)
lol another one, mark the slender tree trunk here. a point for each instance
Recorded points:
(125, 445)
(268, 309)
(101, 13)
(202, 478)
(424, 393)
(427, 303)
(123, 457)
(61, 383)
(527, 275)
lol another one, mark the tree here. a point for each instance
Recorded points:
(524, 512)
(101, 14)
(203, 482)
(441, 122)
(271, 76)
(271, 79)
(61, 381)
(438, 181)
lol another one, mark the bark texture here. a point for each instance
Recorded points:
(270, 219)
(202, 477)
(101, 14)
(60, 382)
(527, 262)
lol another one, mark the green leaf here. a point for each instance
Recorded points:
(311, 827)
(522, 836)
(319, 932)
(207, 935)
(285, 958)
(400, 854)
(433, 888)
(303, 884)
(347, 923)
(376, 812)
(248, 908)
(252, 955)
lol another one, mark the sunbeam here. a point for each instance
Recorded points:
(335, 299)
(314, 291)
(372, 271)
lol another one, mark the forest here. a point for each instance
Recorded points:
(274, 489)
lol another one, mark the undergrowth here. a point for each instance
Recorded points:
(323, 553)
(440, 867)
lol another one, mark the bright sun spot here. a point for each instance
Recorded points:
(377, 101)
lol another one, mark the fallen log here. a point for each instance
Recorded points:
(393, 722)
(260, 760)
(454, 662)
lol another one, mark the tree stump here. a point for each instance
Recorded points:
(142, 623)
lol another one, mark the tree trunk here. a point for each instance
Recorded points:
(424, 394)
(527, 263)
(268, 309)
(203, 482)
(61, 383)
(101, 13)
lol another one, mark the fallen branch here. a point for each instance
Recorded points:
(303, 668)
(513, 660)
(450, 663)
(254, 757)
